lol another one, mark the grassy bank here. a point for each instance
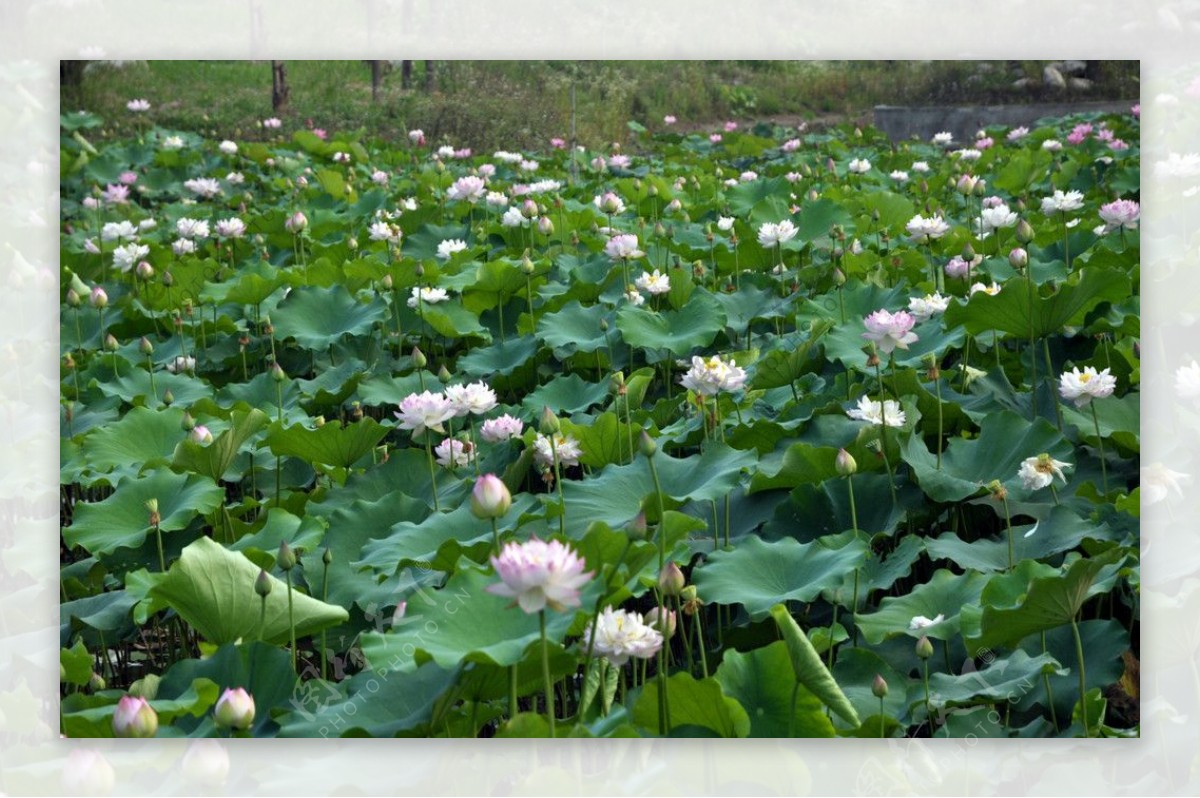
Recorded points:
(487, 104)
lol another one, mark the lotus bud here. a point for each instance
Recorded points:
(879, 687)
(168, 398)
(418, 358)
(235, 709)
(924, 648)
(839, 277)
(646, 445)
(386, 283)
(549, 424)
(638, 529)
(667, 629)
(73, 298)
(187, 423)
(98, 298)
(356, 411)
(419, 270)
(145, 347)
(399, 612)
(134, 717)
(527, 267)
(144, 270)
(201, 435)
(327, 556)
(443, 374)
(545, 226)
(262, 584)
(604, 325)
(96, 682)
(671, 581)
(277, 373)
(1018, 258)
(154, 519)
(845, 463)
(110, 343)
(352, 243)
(1024, 232)
(319, 422)
(286, 557)
(490, 498)
(296, 222)
(968, 253)
(997, 489)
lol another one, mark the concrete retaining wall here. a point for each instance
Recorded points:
(900, 122)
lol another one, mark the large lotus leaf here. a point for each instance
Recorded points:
(492, 282)
(1015, 606)
(76, 664)
(462, 622)
(317, 317)
(566, 394)
(1006, 679)
(855, 671)
(762, 681)
(781, 367)
(605, 439)
(1005, 440)
(758, 575)
(330, 444)
(1061, 531)
(423, 244)
(213, 590)
(389, 389)
(214, 460)
(122, 520)
(761, 200)
(677, 331)
(818, 216)
(134, 386)
(858, 300)
(946, 593)
(693, 703)
(575, 328)
(815, 510)
(1120, 419)
(502, 358)
(263, 670)
(380, 702)
(142, 438)
(878, 572)
(105, 612)
(894, 209)
(332, 386)
(453, 320)
(751, 303)
(616, 495)
(302, 534)
(808, 668)
(349, 528)
(1010, 311)
(416, 543)
(249, 289)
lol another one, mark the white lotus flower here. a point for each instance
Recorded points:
(621, 635)
(874, 412)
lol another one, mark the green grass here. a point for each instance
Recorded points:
(490, 104)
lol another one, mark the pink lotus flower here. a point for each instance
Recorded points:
(453, 453)
(715, 138)
(1079, 133)
(116, 194)
(890, 330)
(1136, 110)
(558, 143)
(422, 411)
(1121, 213)
(320, 133)
(470, 189)
(128, 178)
(731, 126)
(138, 106)
(669, 119)
(984, 143)
(272, 123)
(791, 145)
(537, 574)
(623, 247)
(503, 428)
(475, 398)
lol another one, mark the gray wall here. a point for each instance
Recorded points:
(900, 122)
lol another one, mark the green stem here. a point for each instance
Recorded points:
(291, 619)
(512, 691)
(1049, 690)
(1053, 392)
(549, 694)
(928, 712)
(324, 639)
(432, 472)
(792, 712)
(495, 537)
(882, 725)
(883, 431)
(1100, 441)
(1082, 679)
(1008, 521)
(562, 515)
(937, 387)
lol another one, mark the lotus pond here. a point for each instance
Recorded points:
(759, 433)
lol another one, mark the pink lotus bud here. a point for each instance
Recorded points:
(98, 298)
(668, 628)
(399, 613)
(490, 497)
(296, 222)
(235, 709)
(134, 717)
(879, 687)
(845, 463)
(1018, 258)
(545, 226)
(201, 435)
(671, 580)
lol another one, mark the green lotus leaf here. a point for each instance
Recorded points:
(808, 668)
(762, 681)
(331, 444)
(693, 702)
(946, 593)
(317, 317)
(677, 331)
(212, 589)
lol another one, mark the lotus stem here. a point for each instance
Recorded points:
(1100, 442)
(549, 693)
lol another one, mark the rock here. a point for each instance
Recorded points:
(1053, 78)
(1073, 67)
(1022, 83)
(1080, 84)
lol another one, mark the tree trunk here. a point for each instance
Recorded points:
(70, 78)
(280, 91)
(406, 75)
(430, 72)
(376, 77)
